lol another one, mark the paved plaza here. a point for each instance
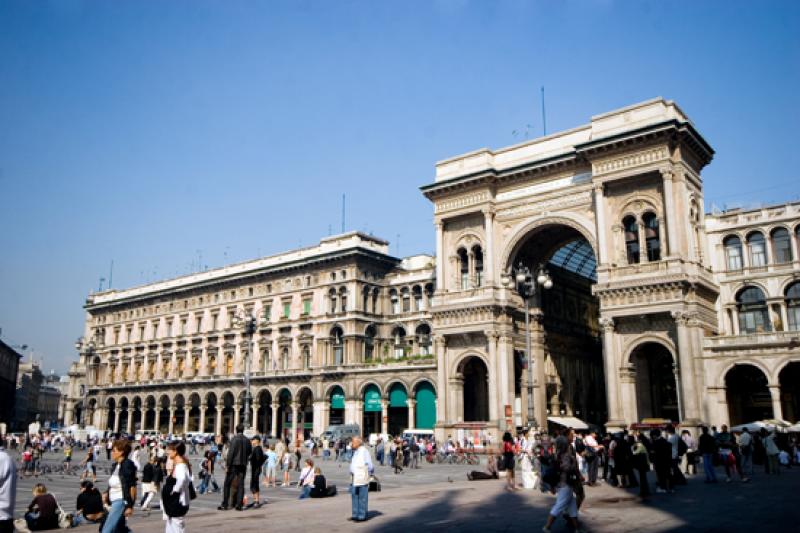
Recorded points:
(439, 498)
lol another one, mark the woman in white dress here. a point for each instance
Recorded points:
(176, 452)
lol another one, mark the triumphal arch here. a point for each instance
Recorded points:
(613, 210)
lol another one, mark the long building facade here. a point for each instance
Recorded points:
(652, 308)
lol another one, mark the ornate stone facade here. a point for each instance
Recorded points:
(648, 313)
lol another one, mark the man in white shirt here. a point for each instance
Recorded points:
(8, 489)
(361, 469)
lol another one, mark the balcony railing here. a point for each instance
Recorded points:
(753, 339)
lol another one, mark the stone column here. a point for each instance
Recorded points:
(610, 367)
(131, 414)
(202, 426)
(496, 384)
(186, 409)
(439, 255)
(384, 414)
(672, 247)
(488, 253)
(218, 421)
(600, 219)
(295, 415)
(274, 420)
(255, 405)
(777, 408)
(117, 413)
(171, 427)
(412, 419)
(687, 390)
(320, 417)
(236, 414)
(440, 345)
(158, 418)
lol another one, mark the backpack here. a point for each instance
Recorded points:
(682, 447)
(552, 474)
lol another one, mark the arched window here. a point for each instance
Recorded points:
(651, 239)
(285, 359)
(793, 305)
(369, 343)
(781, 245)
(306, 357)
(419, 303)
(631, 239)
(463, 265)
(758, 249)
(733, 252)
(423, 333)
(332, 301)
(375, 301)
(753, 314)
(265, 359)
(477, 255)
(399, 336)
(395, 302)
(338, 345)
(365, 300)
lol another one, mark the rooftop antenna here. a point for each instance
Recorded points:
(343, 196)
(110, 274)
(199, 260)
(544, 116)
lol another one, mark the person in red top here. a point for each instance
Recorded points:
(508, 460)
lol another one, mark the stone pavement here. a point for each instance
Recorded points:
(439, 498)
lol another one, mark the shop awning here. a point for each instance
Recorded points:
(568, 422)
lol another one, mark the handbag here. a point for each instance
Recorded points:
(171, 501)
(64, 519)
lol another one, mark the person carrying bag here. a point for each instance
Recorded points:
(178, 490)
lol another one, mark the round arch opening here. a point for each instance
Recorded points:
(789, 379)
(747, 393)
(656, 388)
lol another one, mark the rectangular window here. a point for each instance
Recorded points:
(170, 331)
(734, 258)
(307, 306)
(154, 330)
(267, 313)
(183, 326)
(199, 324)
(116, 336)
(214, 322)
(758, 255)
(287, 309)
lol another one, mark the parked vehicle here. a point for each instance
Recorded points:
(342, 431)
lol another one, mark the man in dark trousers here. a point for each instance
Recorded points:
(239, 451)
(662, 461)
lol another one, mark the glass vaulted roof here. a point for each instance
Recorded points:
(578, 257)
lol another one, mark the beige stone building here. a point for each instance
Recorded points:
(650, 312)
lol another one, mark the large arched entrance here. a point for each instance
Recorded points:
(284, 414)
(476, 390)
(305, 411)
(372, 410)
(111, 405)
(789, 379)
(336, 409)
(566, 364)
(194, 412)
(748, 396)
(397, 417)
(425, 406)
(150, 413)
(163, 414)
(656, 392)
(228, 414)
(210, 425)
(264, 414)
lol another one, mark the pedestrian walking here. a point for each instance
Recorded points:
(641, 463)
(239, 451)
(176, 494)
(508, 460)
(662, 461)
(361, 468)
(121, 488)
(271, 465)
(707, 447)
(564, 489)
(746, 451)
(257, 458)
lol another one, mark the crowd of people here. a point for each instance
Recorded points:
(563, 463)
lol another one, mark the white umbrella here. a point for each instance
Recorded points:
(794, 428)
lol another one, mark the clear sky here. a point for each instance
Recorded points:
(169, 136)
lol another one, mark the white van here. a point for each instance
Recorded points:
(418, 434)
(346, 431)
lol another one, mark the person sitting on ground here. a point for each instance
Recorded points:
(42, 513)
(89, 509)
(306, 479)
(491, 470)
(321, 488)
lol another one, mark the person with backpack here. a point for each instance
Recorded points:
(563, 477)
(177, 493)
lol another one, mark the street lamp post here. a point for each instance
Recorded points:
(87, 355)
(526, 285)
(248, 323)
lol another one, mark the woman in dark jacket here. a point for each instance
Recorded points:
(121, 487)
(42, 512)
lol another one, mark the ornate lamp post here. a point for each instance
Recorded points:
(248, 323)
(87, 356)
(526, 285)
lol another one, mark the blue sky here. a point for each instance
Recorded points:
(153, 133)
